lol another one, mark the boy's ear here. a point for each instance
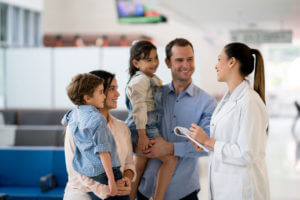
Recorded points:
(135, 63)
(86, 98)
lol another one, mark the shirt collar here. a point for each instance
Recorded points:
(238, 91)
(189, 90)
(87, 108)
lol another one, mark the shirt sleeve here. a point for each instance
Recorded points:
(101, 135)
(137, 94)
(101, 190)
(186, 149)
(66, 118)
(251, 137)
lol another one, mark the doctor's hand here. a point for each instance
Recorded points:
(198, 134)
(197, 148)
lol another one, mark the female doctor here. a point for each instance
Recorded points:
(238, 129)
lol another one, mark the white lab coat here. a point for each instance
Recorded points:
(237, 169)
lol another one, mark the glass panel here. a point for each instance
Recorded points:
(26, 27)
(1, 78)
(36, 29)
(16, 25)
(3, 22)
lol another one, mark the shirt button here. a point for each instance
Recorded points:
(176, 100)
(174, 116)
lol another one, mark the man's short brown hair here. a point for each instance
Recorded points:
(82, 84)
(176, 42)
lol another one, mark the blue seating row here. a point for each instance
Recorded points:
(32, 173)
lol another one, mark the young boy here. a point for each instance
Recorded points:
(95, 154)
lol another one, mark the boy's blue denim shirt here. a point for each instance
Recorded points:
(91, 136)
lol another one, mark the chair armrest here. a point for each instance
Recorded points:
(47, 182)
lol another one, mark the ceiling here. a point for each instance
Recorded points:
(223, 15)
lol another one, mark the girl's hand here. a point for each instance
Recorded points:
(198, 134)
(143, 142)
(112, 187)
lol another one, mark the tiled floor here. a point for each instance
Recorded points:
(284, 171)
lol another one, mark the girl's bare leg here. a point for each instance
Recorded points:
(164, 177)
(140, 165)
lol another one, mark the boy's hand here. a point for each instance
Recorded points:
(112, 187)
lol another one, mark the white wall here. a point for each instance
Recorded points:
(100, 17)
(38, 77)
(67, 62)
(28, 78)
(36, 5)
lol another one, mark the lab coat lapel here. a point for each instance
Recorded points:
(225, 107)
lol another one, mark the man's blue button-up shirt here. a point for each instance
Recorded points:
(191, 106)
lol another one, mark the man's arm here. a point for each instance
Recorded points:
(161, 147)
(186, 149)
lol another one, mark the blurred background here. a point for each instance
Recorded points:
(44, 43)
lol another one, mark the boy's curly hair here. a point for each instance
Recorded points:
(82, 84)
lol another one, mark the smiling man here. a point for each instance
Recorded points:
(183, 104)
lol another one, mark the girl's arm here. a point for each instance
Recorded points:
(106, 161)
(143, 142)
(137, 93)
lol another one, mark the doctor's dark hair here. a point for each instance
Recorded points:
(139, 50)
(244, 55)
(106, 76)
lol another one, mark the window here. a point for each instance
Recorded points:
(3, 24)
(37, 28)
(26, 27)
(16, 25)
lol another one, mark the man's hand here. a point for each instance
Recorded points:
(124, 186)
(159, 147)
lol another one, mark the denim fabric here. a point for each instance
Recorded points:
(153, 126)
(102, 178)
(91, 136)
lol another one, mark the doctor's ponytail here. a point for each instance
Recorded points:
(259, 74)
(248, 59)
